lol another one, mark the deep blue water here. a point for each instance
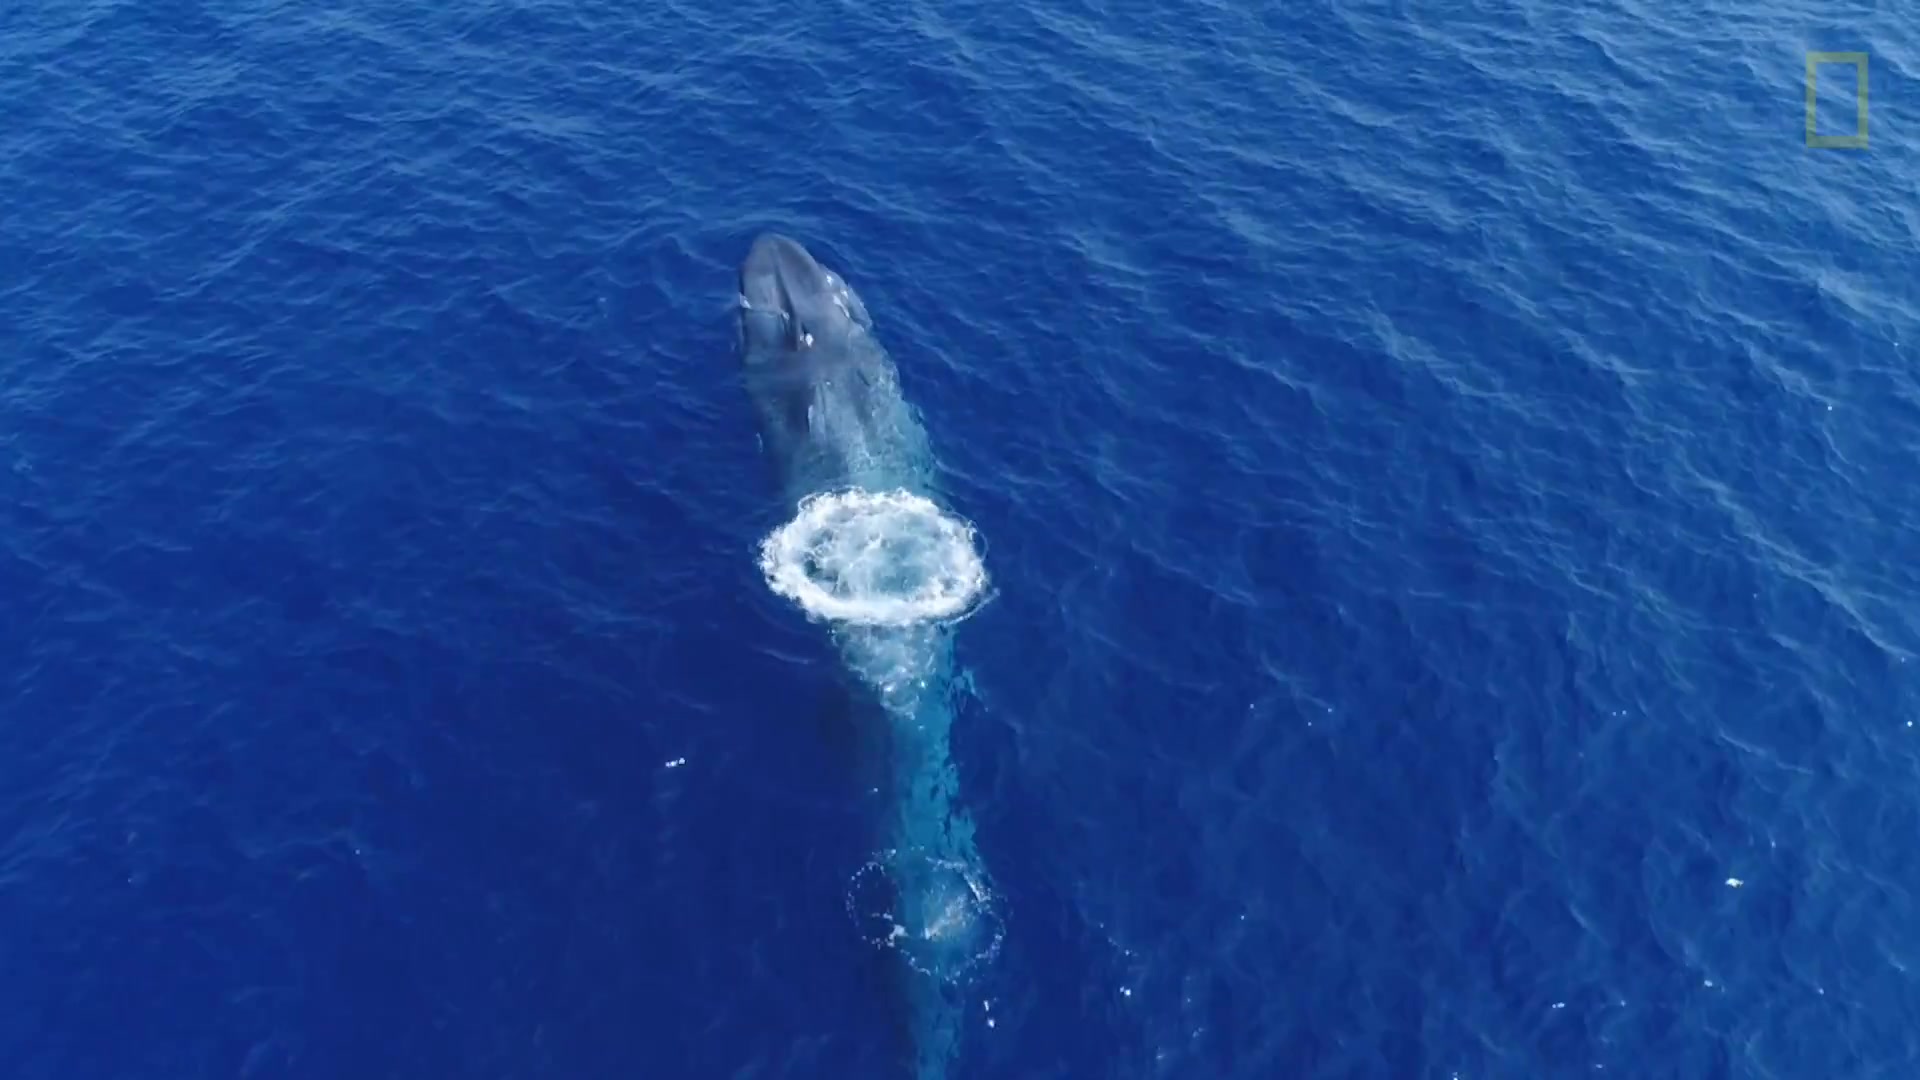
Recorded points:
(1448, 474)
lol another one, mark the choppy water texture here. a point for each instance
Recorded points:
(1447, 473)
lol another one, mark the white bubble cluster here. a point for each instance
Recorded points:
(938, 913)
(890, 558)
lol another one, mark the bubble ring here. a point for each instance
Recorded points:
(887, 558)
(970, 921)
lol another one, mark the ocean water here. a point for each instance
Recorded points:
(1447, 473)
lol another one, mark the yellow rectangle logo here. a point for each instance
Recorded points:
(1857, 140)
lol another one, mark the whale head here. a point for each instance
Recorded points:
(790, 305)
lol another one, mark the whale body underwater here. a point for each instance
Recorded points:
(832, 419)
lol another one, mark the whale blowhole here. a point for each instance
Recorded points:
(876, 558)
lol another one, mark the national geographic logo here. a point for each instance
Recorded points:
(1857, 140)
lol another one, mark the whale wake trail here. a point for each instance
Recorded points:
(892, 574)
(871, 554)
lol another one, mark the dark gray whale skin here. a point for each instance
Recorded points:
(832, 418)
(830, 409)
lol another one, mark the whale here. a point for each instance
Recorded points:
(831, 419)
(827, 395)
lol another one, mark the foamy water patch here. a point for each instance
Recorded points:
(938, 913)
(887, 558)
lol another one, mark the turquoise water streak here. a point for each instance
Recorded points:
(944, 926)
